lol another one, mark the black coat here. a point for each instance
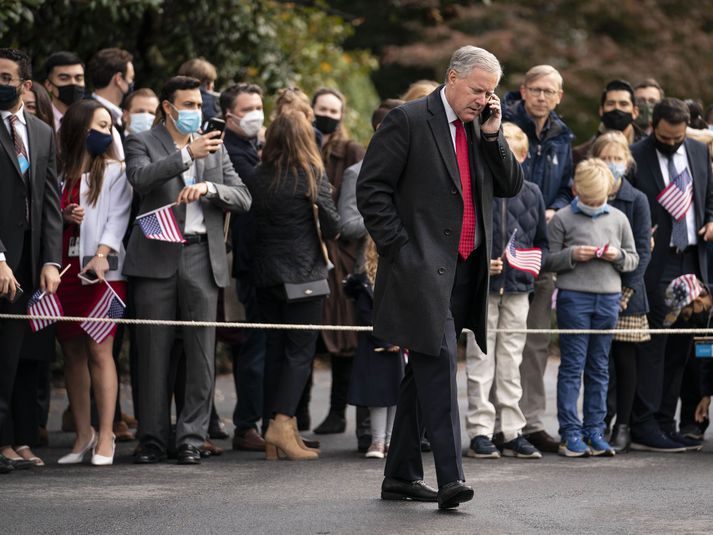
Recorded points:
(376, 375)
(649, 180)
(526, 213)
(286, 245)
(409, 192)
(636, 209)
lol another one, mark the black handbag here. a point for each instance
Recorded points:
(303, 291)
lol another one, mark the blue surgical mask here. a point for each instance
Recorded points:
(592, 211)
(617, 169)
(98, 142)
(140, 122)
(188, 122)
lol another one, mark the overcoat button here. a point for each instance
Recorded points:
(441, 270)
(447, 232)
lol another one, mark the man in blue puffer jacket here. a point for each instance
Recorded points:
(549, 166)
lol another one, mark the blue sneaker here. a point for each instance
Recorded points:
(599, 446)
(482, 448)
(520, 448)
(689, 443)
(573, 446)
(656, 442)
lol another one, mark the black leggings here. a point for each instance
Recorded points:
(624, 357)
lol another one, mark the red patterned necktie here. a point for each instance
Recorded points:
(467, 233)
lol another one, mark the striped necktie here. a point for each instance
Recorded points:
(22, 159)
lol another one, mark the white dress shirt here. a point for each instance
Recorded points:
(451, 116)
(680, 162)
(195, 221)
(57, 115)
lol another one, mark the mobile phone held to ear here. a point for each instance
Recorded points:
(213, 124)
(486, 113)
(90, 276)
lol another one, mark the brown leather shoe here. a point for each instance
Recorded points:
(129, 420)
(209, 449)
(122, 432)
(248, 440)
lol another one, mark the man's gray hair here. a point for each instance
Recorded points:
(469, 57)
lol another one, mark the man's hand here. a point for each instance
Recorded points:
(192, 193)
(583, 253)
(206, 144)
(702, 409)
(496, 267)
(73, 213)
(8, 282)
(706, 231)
(492, 125)
(49, 279)
(549, 214)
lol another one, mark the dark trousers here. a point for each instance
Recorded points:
(661, 361)
(13, 332)
(288, 354)
(249, 364)
(429, 392)
(622, 389)
(691, 394)
(22, 424)
(44, 393)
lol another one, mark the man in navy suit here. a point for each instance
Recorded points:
(680, 249)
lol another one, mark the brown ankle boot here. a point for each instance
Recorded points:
(299, 438)
(280, 436)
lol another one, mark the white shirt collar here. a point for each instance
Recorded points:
(113, 108)
(20, 114)
(450, 114)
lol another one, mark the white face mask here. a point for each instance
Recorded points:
(140, 122)
(251, 122)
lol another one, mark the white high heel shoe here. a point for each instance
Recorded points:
(102, 460)
(77, 458)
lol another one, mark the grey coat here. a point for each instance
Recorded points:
(154, 167)
(409, 192)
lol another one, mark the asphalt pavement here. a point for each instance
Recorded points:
(240, 492)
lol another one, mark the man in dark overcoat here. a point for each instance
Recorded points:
(425, 191)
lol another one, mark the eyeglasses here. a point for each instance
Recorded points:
(537, 91)
(6, 79)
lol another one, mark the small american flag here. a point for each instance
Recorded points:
(108, 306)
(528, 260)
(677, 197)
(43, 304)
(161, 224)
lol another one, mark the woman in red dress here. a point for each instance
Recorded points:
(96, 200)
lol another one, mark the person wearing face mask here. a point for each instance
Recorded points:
(591, 245)
(241, 105)
(30, 249)
(338, 153)
(626, 357)
(96, 198)
(617, 111)
(171, 163)
(680, 249)
(648, 93)
(64, 81)
(139, 111)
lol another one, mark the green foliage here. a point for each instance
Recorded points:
(274, 44)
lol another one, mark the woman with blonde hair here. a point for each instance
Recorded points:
(294, 210)
(419, 89)
(613, 148)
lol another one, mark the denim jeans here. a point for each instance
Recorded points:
(588, 353)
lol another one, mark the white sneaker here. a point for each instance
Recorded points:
(375, 451)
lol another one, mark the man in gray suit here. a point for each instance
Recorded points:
(165, 164)
(426, 193)
(30, 219)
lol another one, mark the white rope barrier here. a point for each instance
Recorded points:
(350, 328)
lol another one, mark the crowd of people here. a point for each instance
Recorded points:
(180, 205)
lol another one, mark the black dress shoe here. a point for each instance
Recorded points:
(621, 438)
(396, 489)
(188, 454)
(5, 465)
(452, 494)
(149, 454)
(334, 423)
(216, 431)
(543, 441)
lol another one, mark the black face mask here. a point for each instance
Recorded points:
(326, 125)
(98, 142)
(664, 148)
(616, 120)
(69, 94)
(9, 95)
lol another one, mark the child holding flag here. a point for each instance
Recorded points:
(591, 243)
(96, 201)
(519, 240)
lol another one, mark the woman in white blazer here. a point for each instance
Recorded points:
(96, 201)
